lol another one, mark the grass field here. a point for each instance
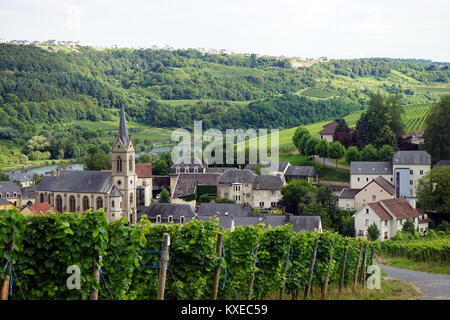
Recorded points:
(317, 93)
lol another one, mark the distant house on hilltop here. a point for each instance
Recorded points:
(327, 133)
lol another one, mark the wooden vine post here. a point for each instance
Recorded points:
(215, 286)
(163, 266)
(252, 280)
(344, 262)
(311, 269)
(363, 269)
(285, 266)
(355, 278)
(325, 284)
(96, 275)
(5, 282)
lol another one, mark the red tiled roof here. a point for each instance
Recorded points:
(44, 208)
(400, 208)
(329, 128)
(386, 185)
(380, 211)
(144, 170)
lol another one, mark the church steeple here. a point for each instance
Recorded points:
(123, 131)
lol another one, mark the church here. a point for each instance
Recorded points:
(113, 191)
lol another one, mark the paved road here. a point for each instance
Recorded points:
(432, 286)
(330, 162)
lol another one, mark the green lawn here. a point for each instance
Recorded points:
(411, 264)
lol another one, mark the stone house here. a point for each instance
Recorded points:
(389, 217)
(327, 133)
(11, 192)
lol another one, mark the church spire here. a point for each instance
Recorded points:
(123, 131)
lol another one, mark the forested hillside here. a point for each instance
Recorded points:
(44, 92)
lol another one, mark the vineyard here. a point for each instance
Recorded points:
(424, 249)
(415, 117)
(125, 262)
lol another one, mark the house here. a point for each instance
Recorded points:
(24, 178)
(302, 172)
(442, 163)
(243, 186)
(145, 184)
(187, 186)
(168, 212)
(408, 167)
(158, 184)
(225, 209)
(270, 168)
(6, 204)
(362, 172)
(186, 164)
(327, 133)
(299, 223)
(375, 190)
(38, 209)
(28, 195)
(388, 215)
(11, 192)
(115, 191)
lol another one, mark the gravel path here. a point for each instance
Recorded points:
(432, 286)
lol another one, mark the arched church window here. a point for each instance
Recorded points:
(131, 164)
(131, 199)
(85, 203)
(99, 203)
(119, 164)
(71, 204)
(59, 203)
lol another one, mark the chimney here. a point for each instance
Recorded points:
(217, 214)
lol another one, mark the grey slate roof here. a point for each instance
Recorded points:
(78, 181)
(411, 157)
(280, 166)
(218, 169)
(8, 186)
(21, 176)
(167, 209)
(29, 192)
(442, 163)
(301, 171)
(299, 223)
(348, 193)
(187, 182)
(237, 176)
(4, 201)
(233, 209)
(265, 182)
(115, 192)
(189, 162)
(123, 132)
(371, 167)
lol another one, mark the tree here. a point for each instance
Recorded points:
(408, 226)
(37, 143)
(36, 178)
(310, 146)
(337, 151)
(316, 209)
(164, 196)
(369, 153)
(160, 167)
(204, 198)
(322, 148)
(3, 177)
(385, 153)
(373, 233)
(437, 130)
(299, 138)
(296, 193)
(97, 160)
(386, 137)
(225, 200)
(433, 190)
(147, 158)
(352, 154)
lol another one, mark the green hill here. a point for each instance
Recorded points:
(59, 94)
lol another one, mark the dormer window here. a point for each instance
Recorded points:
(195, 170)
(367, 210)
(182, 219)
(177, 170)
(158, 218)
(170, 218)
(15, 195)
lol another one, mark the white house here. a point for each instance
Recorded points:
(389, 216)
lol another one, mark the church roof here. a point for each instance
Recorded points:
(78, 181)
(115, 192)
(123, 131)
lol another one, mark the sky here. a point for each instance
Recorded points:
(341, 29)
